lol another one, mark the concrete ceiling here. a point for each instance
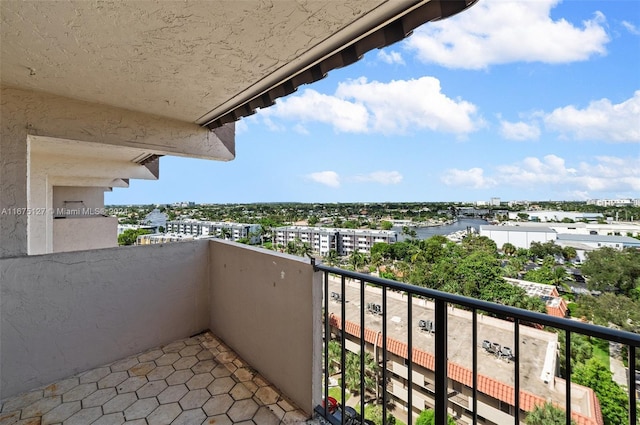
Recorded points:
(189, 60)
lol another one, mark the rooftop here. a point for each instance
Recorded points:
(536, 366)
(196, 380)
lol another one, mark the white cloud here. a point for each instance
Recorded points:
(519, 130)
(551, 174)
(400, 105)
(601, 120)
(498, 31)
(392, 57)
(396, 107)
(473, 178)
(382, 177)
(631, 28)
(311, 106)
(328, 178)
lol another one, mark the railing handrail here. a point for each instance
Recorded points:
(597, 331)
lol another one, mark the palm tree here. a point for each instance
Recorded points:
(332, 257)
(352, 372)
(509, 249)
(305, 250)
(335, 354)
(357, 260)
(225, 233)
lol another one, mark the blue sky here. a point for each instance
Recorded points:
(522, 100)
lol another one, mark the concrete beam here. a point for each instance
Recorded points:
(43, 114)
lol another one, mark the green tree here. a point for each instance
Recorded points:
(225, 233)
(609, 309)
(409, 232)
(374, 413)
(352, 373)
(546, 414)
(332, 257)
(313, 220)
(335, 356)
(428, 417)
(608, 268)
(386, 225)
(581, 350)
(357, 260)
(613, 399)
(130, 236)
(509, 249)
(569, 253)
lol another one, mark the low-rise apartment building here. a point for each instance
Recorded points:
(235, 231)
(324, 239)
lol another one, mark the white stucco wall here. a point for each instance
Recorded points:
(78, 200)
(82, 233)
(266, 306)
(64, 313)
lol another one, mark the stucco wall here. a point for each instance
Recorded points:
(264, 305)
(82, 233)
(64, 313)
(13, 180)
(78, 200)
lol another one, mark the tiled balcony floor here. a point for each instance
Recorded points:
(192, 381)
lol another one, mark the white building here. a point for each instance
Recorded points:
(550, 216)
(216, 228)
(324, 239)
(163, 238)
(614, 202)
(519, 236)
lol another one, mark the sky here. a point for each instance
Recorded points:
(520, 100)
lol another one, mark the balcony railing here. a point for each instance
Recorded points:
(367, 299)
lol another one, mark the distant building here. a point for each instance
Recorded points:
(163, 238)
(614, 202)
(550, 216)
(600, 241)
(184, 204)
(216, 228)
(519, 236)
(495, 202)
(123, 227)
(343, 241)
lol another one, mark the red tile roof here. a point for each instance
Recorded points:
(486, 385)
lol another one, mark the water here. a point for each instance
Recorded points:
(427, 232)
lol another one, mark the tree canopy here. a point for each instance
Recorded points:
(613, 399)
(546, 414)
(610, 269)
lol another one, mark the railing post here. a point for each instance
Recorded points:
(441, 387)
(633, 413)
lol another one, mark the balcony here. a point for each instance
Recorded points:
(75, 323)
(255, 318)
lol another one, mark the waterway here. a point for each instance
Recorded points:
(427, 232)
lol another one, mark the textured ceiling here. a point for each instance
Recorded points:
(175, 59)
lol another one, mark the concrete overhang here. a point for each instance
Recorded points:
(205, 62)
(75, 163)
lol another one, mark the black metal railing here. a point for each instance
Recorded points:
(339, 415)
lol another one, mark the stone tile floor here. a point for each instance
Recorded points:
(193, 381)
